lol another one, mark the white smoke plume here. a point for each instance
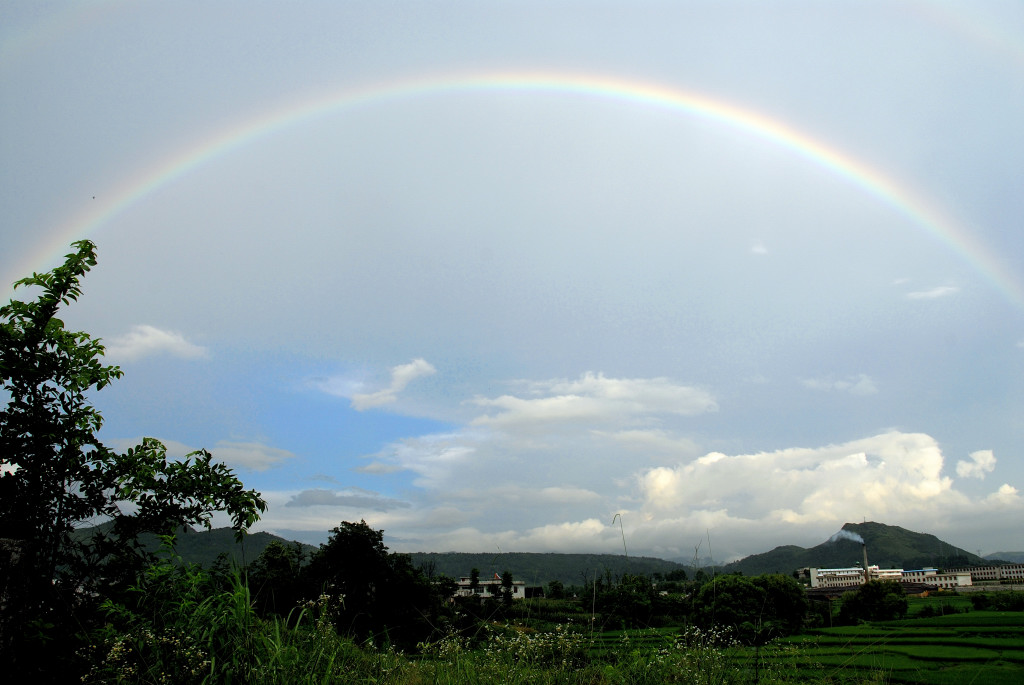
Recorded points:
(846, 535)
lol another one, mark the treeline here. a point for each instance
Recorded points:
(537, 569)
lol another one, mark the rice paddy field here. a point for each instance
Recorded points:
(941, 642)
(976, 647)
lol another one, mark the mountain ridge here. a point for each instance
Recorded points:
(887, 546)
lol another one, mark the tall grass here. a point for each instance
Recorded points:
(180, 624)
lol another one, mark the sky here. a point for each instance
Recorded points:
(488, 274)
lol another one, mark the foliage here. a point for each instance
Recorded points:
(998, 601)
(876, 600)
(631, 602)
(730, 600)
(785, 603)
(275, 576)
(55, 476)
(556, 590)
(757, 609)
(180, 625)
(540, 568)
(176, 625)
(385, 598)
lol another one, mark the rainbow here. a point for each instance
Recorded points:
(916, 208)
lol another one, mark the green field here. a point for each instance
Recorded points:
(979, 647)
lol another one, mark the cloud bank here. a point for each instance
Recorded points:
(547, 467)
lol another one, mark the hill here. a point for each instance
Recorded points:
(1009, 557)
(203, 547)
(887, 546)
(541, 568)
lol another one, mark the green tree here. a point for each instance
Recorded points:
(785, 602)
(506, 588)
(630, 602)
(876, 600)
(57, 477)
(730, 600)
(758, 608)
(275, 578)
(384, 597)
(474, 580)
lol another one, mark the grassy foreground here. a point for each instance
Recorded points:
(204, 637)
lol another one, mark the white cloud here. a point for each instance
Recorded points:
(982, 462)
(653, 442)
(1005, 496)
(401, 376)
(758, 248)
(432, 457)
(146, 341)
(351, 498)
(933, 293)
(478, 490)
(883, 475)
(249, 455)
(594, 398)
(860, 384)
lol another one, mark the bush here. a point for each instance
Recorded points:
(876, 600)
(998, 601)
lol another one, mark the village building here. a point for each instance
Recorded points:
(488, 587)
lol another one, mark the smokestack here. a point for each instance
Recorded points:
(867, 574)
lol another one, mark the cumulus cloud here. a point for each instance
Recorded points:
(351, 498)
(860, 384)
(933, 293)
(1006, 496)
(401, 376)
(546, 467)
(147, 341)
(883, 475)
(981, 462)
(594, 398)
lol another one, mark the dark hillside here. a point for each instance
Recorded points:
(887, 546)
(203, 546)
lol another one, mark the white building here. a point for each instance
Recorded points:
(488, 588)
(948, 580)
(1013, 573)
(851, 576)
(854, 575)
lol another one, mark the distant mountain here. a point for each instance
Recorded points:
(203, 546)
(1011, 557)
(887, 546)
(540, 568)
